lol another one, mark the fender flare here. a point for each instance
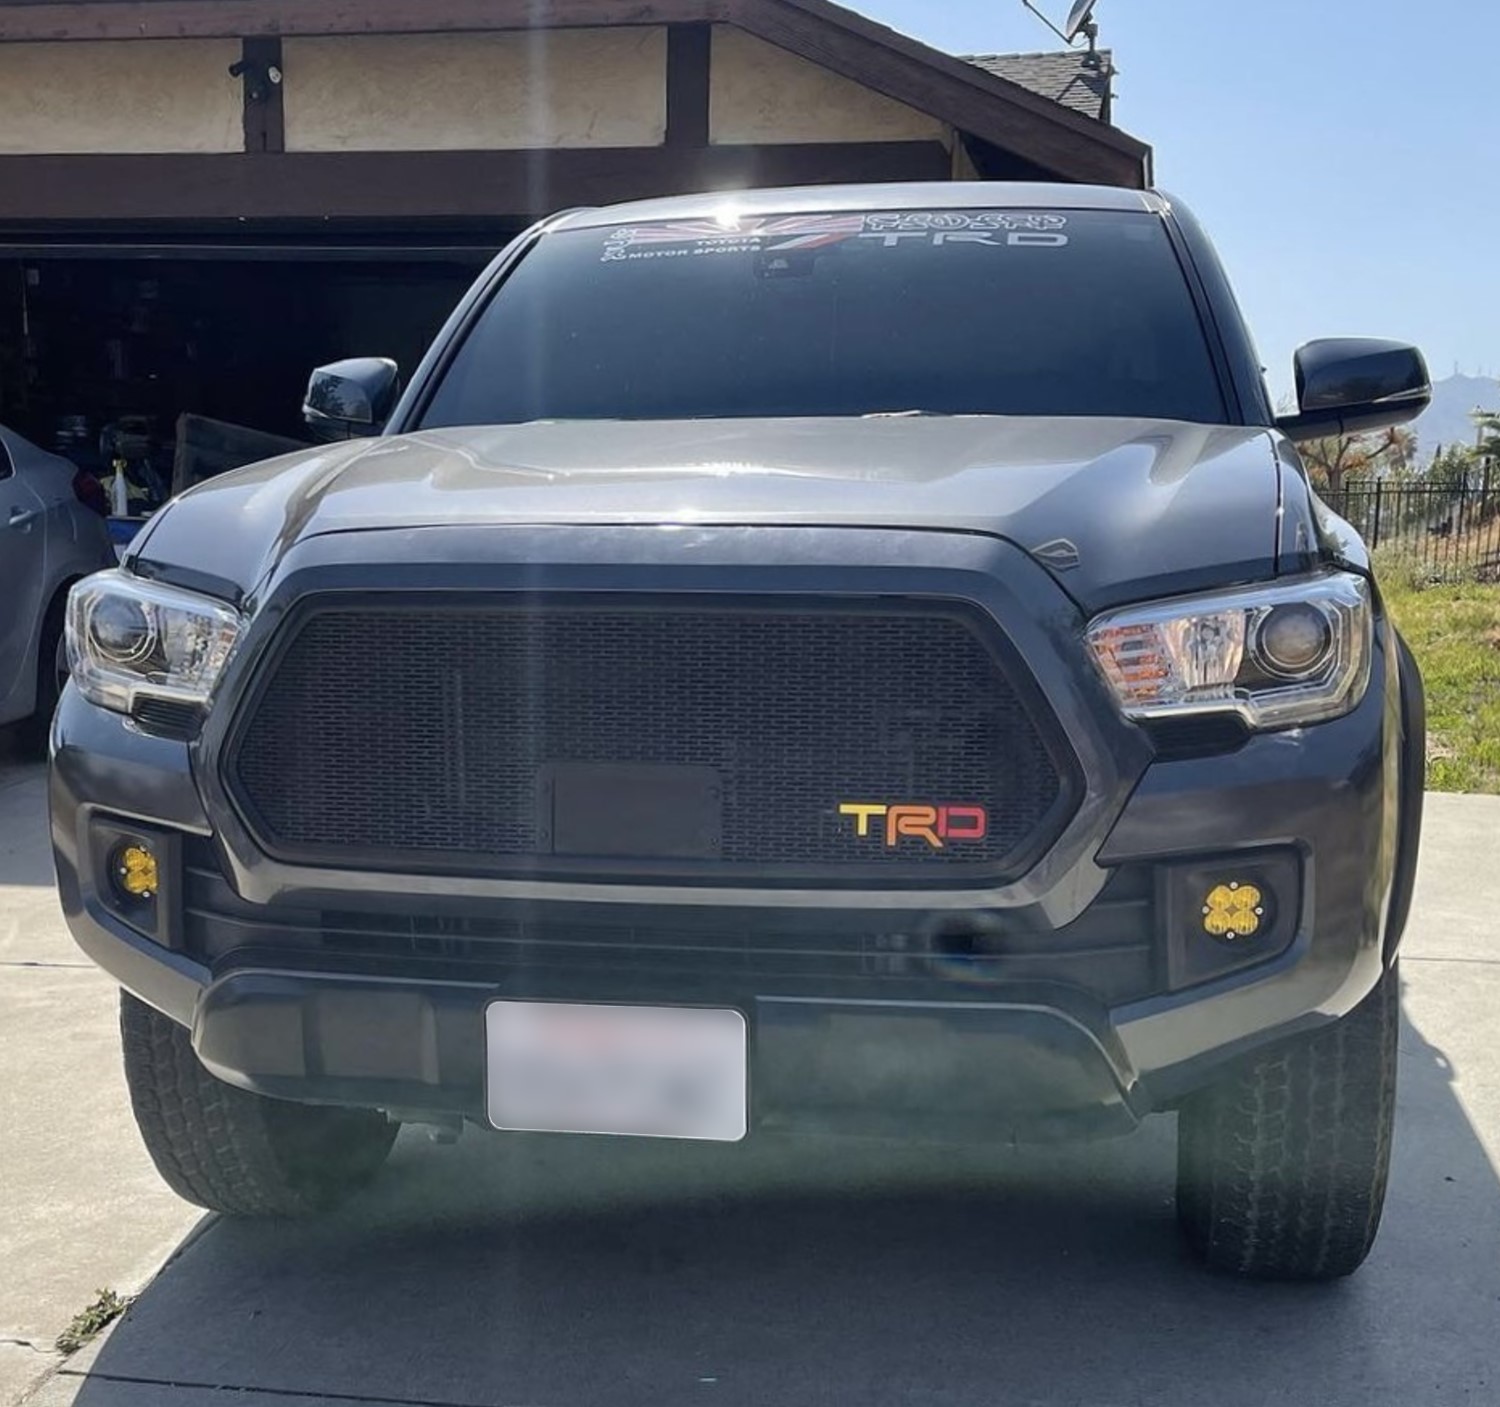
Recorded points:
(1413, 790)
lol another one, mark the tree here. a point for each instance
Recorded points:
(1486, 456)
(1487, 423)
(1333, 461)
(1451, 468)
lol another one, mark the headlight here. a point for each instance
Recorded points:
(1276, 655)
(130, 639)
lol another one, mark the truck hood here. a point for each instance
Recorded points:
(1116, 509)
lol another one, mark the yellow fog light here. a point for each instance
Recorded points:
(136, 871)
(1233, 911)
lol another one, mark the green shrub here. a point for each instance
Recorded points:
(1400, 566)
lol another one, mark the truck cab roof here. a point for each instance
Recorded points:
(908, 195)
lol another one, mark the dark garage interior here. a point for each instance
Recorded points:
(103, 351)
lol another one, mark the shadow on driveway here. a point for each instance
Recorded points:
(25, 847)
(528, 1270)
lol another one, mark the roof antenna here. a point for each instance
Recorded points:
(1081, 21)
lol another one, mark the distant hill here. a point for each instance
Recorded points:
(1446, 421)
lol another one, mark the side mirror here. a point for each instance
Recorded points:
(350, 399)
(1347, 385)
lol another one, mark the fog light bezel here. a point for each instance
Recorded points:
(158, 916)
(1194, 955)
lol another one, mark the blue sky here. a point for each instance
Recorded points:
(1336, 150)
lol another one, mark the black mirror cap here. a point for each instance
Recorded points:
(1349, 385)
(349, 399)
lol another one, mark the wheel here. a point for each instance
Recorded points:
(236, 1152)
(1282, 1167)
(51, 676)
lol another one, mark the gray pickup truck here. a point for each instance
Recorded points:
(858, 660)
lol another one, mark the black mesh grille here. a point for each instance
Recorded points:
(427, 729)
(168, 719)
(1208, 736)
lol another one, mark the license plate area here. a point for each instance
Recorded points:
(651, 1072)
(609, 811)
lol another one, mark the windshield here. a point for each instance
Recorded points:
(984, 312)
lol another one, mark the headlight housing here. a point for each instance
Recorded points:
(130, 639)
(1278, 656)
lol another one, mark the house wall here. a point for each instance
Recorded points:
(762, 93)
(430, 92)
(172, 95)
(434, 92)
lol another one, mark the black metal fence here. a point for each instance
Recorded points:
(1448, 529)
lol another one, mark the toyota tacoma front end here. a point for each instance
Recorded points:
(850, 661)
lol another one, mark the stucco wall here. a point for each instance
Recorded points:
(559, 88)
(564, 88)
(763, 93)
(158, 96)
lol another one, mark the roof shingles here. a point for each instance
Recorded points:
(1068, 78)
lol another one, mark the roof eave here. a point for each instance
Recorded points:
(1074, 145)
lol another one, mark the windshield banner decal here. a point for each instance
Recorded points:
(789, 233)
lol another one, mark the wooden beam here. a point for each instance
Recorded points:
(183, 19)
(424, 186)
(1043, 132)
(689, 56)
(265, 114)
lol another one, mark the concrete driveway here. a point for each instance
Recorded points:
(540, 1272)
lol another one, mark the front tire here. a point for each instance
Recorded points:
(235, 1152)
(51, 676)
(1282, 1167)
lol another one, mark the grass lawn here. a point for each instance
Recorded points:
(1454, 631)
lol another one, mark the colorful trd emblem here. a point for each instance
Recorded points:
(939, 826)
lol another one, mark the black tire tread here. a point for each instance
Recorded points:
(1282, 1167)
(235, 1152)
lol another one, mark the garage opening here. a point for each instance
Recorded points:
(170, 363)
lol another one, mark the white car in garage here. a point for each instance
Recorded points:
(49, 538)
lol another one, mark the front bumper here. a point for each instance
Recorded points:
(1009, 1069)
(1065, 1003)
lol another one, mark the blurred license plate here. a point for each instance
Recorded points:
(657, 1072)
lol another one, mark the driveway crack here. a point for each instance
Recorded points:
(1476, 962)
(288, 1394)
(35, 1345)
(49, 966)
